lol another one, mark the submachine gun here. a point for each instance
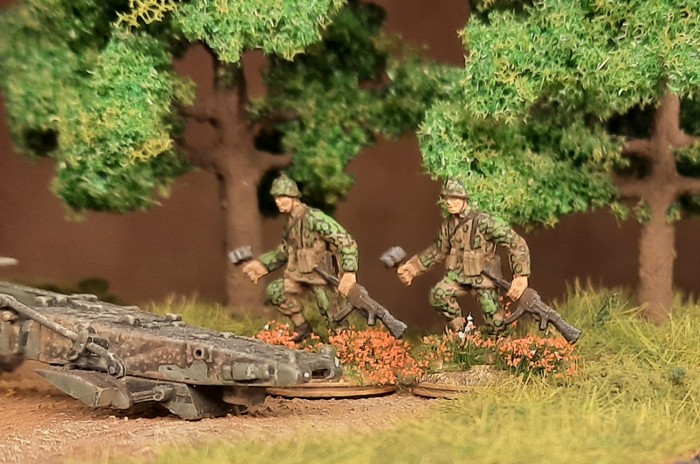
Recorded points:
(529, 302)
(358, 298)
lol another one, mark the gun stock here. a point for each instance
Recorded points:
(531, 302)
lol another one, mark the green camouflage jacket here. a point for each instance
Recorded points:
(468, 244)
(309, 236)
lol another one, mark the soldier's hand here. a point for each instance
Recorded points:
(254, 270)
(346, 283)
(406, 273)
(517, 287)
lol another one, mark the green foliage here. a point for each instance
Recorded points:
(526, 173)
(338, 97)
(324, 89)
(91, 84)
(601, 57)
(115, 145)
(416, 84)
(96, 99)
(229, 27)
(526, 126)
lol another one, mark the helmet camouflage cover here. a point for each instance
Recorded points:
(454, 188)
(283, 186)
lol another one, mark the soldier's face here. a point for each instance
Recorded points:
(455, 205)
(284, 204)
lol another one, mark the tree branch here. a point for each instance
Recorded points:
(687, 186)
(203, 112)
(266, 161)
(274, 118)
(630, 189)
(639, 148)
(682, 140)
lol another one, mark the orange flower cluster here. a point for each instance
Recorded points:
(278, 333)
(455, 350)
(373, 356)
(436, 351)
(538, 355)
(369, 357)
(529, 355)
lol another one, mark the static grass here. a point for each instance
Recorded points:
(514, 423)
(208, 315)
(635, 398)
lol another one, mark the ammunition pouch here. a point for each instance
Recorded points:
(473, 263)
(309, 258)
(452, 262)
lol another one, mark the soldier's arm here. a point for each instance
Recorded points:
(499, 232)
(436, 252)
(339, 240)
(275, 259)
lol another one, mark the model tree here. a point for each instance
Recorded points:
(568, 105)
(91, 84)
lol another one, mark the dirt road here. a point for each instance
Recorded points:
(40, 424)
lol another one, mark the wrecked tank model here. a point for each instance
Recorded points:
(112, 356)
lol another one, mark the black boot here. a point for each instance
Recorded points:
(303, 332)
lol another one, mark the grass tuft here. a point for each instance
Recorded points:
(209, 315)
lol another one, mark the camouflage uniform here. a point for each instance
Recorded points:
(310, 238)
(467, 242)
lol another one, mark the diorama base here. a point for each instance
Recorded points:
(453, 384)
(328, 390)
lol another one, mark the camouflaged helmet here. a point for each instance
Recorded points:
(283, 186)
(454, 188)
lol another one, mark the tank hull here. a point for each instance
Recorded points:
(116, 356)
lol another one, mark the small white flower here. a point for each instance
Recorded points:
(470, 326)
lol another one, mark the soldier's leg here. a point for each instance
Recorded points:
(443, 297)
(282, 293)
(323, 302)
(490, 306)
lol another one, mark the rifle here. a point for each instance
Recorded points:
(530, 302)
(358, 298)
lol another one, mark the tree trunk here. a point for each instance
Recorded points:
(657, 253)
(657, 248)
(238, 186)
(239, 168)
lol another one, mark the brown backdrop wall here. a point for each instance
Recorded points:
(177, 248)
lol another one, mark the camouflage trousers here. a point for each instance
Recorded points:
(284, 295)
(443, 297)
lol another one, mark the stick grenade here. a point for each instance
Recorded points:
(393, 257)
(240, 255)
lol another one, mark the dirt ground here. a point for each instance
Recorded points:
(41, 424)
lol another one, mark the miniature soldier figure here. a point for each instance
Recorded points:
(467, 241)
(310, 239)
